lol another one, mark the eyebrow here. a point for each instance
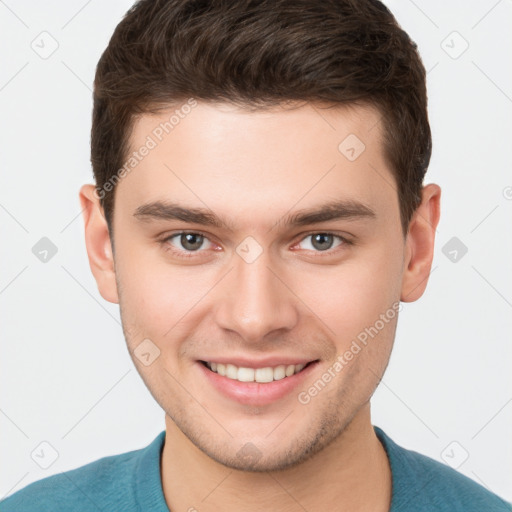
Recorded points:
(335, 210)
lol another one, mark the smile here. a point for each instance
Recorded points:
(261, 375)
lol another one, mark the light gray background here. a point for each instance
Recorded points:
(66, 376)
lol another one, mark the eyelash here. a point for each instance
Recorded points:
(191, 254)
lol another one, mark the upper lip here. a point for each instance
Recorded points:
(260, 363)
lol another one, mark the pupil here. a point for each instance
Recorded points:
(191, 241)
(322, 238)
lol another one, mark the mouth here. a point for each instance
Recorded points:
(261, 375)
(255, 386)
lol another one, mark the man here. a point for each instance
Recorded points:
(259, 214)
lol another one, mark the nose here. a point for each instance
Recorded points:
(255, 300)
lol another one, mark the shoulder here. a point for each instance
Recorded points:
(91, 487)
(421, 483)
(109, 483)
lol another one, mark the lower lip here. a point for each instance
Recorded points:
(256, 393)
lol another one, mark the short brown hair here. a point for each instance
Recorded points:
(260, 53)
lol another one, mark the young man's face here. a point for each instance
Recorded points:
(258, 290)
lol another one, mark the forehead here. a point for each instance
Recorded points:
(261, 163)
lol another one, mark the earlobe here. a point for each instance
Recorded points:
(419, 250)
(98, 244)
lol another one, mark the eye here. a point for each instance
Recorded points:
(187, 242)
(321, 242)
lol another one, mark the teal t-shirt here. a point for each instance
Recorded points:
(130, 482)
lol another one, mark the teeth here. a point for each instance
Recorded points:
(280, 372)
(231, 371)
(262, 375)
(245, 375)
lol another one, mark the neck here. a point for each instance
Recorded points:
(351, 474)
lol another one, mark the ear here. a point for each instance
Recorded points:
(97, 241)
(419, 245)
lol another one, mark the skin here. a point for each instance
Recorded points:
(253, 169)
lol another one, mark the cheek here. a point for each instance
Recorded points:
(153, 295)
(352, 295)
(159, 301)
